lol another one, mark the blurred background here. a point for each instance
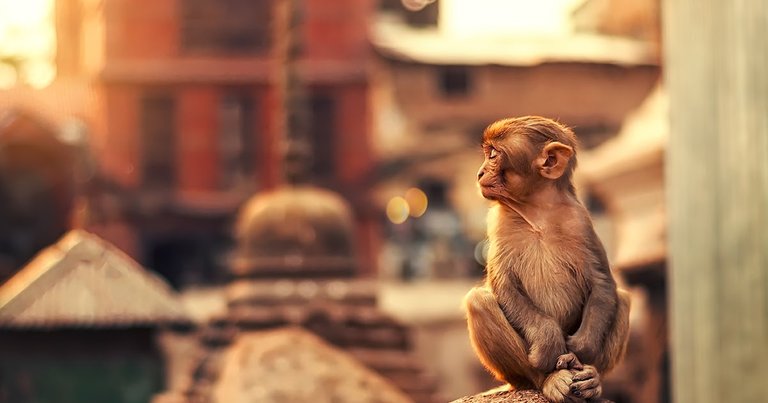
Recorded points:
(275, 200)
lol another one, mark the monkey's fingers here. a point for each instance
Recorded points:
(587, 373)
(557, 386)
(587, 389)
(568, 361)
(586, 383)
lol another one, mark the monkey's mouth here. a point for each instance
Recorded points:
(487, 192)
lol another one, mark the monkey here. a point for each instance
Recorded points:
(549, 315)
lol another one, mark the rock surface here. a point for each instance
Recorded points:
(504, 395)
(293, 365)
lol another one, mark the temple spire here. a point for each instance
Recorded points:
(296, 149)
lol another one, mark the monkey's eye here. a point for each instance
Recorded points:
(493, 154)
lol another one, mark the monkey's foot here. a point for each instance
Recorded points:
(586, 384)
(557, 387)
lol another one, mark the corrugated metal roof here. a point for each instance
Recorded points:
(84, 281)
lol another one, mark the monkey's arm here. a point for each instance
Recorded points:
(600, 308)
(542, 333)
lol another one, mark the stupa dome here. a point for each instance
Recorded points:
(295, 231)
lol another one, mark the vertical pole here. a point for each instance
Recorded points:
(716, 72)
(295, 146)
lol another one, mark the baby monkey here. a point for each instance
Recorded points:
(549, 315)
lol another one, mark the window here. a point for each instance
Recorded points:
(322, 134)
(436, 191)
(158, 118)
(426, 16)
(454, 81)
(592, 135)
(595, 205)
(236, 138)
(226, 26)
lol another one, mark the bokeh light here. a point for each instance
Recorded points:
(397, 210)
(481, 252)
(28, 38)
(40, 73)
(8, 76)
(417, 201)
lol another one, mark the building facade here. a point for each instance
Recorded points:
(437, 91)
(193, 108)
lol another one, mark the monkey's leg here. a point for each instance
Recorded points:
(501, 350)
(587, 383)
(616, 340)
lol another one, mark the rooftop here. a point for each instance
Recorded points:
(396, 40)
(84, 281)
(265, 366)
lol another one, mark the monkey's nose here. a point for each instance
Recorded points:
(480, 173)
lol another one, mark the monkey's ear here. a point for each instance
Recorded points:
(553, 160)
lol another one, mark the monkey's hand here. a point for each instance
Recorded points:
(580, 345)
(586, 384)
(547, 345)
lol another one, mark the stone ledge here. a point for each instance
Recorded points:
(504, 395)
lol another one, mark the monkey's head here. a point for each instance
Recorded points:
(522, 155)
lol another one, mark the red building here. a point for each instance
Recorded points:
(193, 119)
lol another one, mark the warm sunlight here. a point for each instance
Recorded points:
(500, 17)
(27, 43)
(366, 201)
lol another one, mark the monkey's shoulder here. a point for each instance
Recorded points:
(564, 240)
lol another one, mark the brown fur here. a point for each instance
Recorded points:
(549, 293)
